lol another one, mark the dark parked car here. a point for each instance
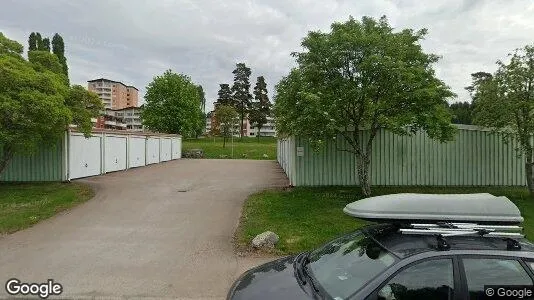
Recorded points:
(399, 261)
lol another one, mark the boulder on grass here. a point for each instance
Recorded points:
(266, 239)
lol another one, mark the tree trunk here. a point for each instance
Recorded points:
(363, 163)
(7, 154)
(242, 120)
(528, 171)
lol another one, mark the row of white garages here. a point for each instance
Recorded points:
(106, 152)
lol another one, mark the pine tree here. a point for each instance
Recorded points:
(225, 96)
(32, 42)
(261, 108)
(241, 91)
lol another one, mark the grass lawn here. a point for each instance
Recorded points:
(24, 204)
(305, 218)
(244, 148)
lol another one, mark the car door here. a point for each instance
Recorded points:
(432, 278)
(482, 275)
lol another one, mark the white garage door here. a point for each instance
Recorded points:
(165, 149)
(115, 153)
(176, 148)
(85, 158)
(152, 150)
(137, 152)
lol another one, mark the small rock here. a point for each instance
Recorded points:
(223, 156)
(265, 156)
(266, 239)
(244, 155)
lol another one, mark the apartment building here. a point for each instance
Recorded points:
(128, 118)
(114, 94)
(266, 130)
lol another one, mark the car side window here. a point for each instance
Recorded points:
(530, 264)
(430, 279)
(492, 271)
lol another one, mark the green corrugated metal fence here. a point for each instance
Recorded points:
(47, 164)
(476, 157)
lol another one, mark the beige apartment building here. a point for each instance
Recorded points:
(114, 94)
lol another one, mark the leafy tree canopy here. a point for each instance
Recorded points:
(173, 105)
(36, 103)
(504, 101)
(462, 112)
(10, 47)
(32, 105)
(363, 75)
(43, 60)
(226, 120)
(83, 105)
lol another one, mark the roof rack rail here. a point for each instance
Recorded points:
(464, 229)
(443, 230)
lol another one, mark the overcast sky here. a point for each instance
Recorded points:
(133, 41)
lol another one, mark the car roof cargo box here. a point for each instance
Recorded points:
(482, 208)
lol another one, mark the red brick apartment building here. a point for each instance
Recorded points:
(114, 94)
(121, 105)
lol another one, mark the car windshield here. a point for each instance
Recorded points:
(345, 265)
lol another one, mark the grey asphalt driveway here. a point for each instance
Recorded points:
(162, 231)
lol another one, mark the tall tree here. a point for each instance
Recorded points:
(462, 112)
(46, 44)
(202, 98)
(58, 48)
(32, 42)
(39, 41)
(226, 119)
(241, 92)
(172, 105)
(225, 95)
(504, 102)
(358, 78)
(261, 107)
(32, 108)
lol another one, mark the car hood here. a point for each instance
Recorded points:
(273, 280)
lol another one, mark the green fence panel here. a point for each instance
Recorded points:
(46, 164)
(476, 157)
